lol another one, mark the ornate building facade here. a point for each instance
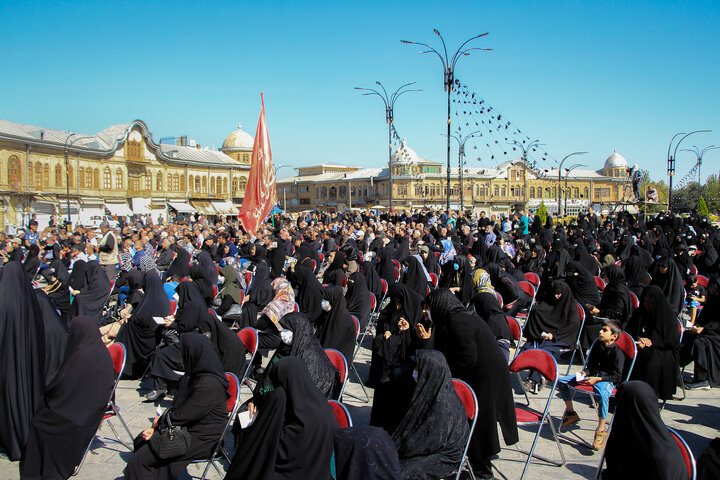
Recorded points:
(420, 183)
(119, 171)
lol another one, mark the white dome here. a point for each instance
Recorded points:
(238, 140)
(404, 154)
(616, 161)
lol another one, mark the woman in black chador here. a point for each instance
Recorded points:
(640, 445)
(141, 334)
(309, 296)
(701, 343)
(336, 328)
(292, 436)
(56, 335)
(93, 295)
(358, 298)
(656, 328)
(431, 436)
(22, 359)
(200, 404)
(73, 406)
(471, 351)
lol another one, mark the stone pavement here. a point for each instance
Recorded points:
(697, 419)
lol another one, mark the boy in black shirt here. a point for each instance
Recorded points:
(603, 371)
(694, 296)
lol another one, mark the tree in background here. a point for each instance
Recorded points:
(702, 207)
(542, 212)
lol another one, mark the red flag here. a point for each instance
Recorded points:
(261, 194)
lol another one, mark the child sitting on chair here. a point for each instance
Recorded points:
(603, 370)
(694, 297)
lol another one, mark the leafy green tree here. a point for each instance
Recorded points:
(702, 207)
(542, 212)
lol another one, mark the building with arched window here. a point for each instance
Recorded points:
(117, 171)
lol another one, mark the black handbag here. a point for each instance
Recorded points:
(170, 442)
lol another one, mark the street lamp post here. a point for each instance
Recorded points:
(67, 168)
(389, 101)
(448, 64)
(699, 154)
(461, 162)
(671, 159)
(560, 177)
(567, 173)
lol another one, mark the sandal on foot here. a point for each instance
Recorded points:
(599, 441)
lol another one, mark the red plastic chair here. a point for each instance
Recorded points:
(437, 255)
(469, 401)
(703, 280)
(296, 308)
(119, 355)
(339, 362)
(173, 307)
(397, 264)
(249, 337)
(374, 313)
(248, 280)
(214, 291)
(233, 403)
(345, 280)
(385, 289)
(695, 270)
(433, 279)
(342, 416)
(314, 264)
(499, 299)
(529, 290)
(397, 274)
(533, 278)
(600, 283)
(322, 257)
(634, 300)
(352, 361)
(542, 362)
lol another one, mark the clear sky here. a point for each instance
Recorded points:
(592, 76)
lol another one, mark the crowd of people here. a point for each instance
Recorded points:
(442, 284)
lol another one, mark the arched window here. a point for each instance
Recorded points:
(58, 176)
(554, 192)
(176, 182)
(81, 177)
(96, 178)
(616, 193)
(212, 184)
(170, 185)
(119, 184)
(204, 184)
(107, 179)
(158, 181)
(148, 181)
(586, 193)
(31, 174)
(38, 175)
(323, 192)
(532, 192)
(497, 191)
(225, 185)
(197, 184)
(234, 185)
(182, 182)
(343, 191)
(88, 178)
(46, 175)
(14, 172)
(71, 177)
(503, 191)
(576, 192)
(192, 183)
(243, 184)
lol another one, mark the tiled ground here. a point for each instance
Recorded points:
(697, 418)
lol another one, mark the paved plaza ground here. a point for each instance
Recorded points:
(697, 419)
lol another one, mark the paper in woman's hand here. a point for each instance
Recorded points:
(245, 419)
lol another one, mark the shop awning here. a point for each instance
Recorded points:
(182, 207)
(140, 206)
(119, 209)
(223, 207)
(203, 207)
(91, 202)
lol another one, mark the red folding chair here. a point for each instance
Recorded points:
(345, 280)
(173, 307)
(634, 300)
(433, 279)
(533, 278)
(119, 355)
(516, 331)
(499, 299)
(374, 313)
(342, 416)
(314, 264)
(397, 274)
(248, 280)
(352, 361)
(600, 283)
(542, 362)
(321, 256)
(681, 373)
(577, 347)
(214, 291)
(397, 264)
(339, 362)
(437, 256)
(233, 403)
(249, 337)
(695, 270)
(529, 290)
(627, 345)
(469, 401)
(703, 280)
(297, 307)
(385, 289)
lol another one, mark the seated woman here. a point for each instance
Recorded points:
(514, 299)
(166, 366)
(309, 290)
(132, 296)
(298, 340)
(292, 436)
(141, 334)
(227, 344)
(615, 304)
(701, 342)
(656, 330)
(415, 276)
(640, 445)
(456, 276)
(335, 327)
(73, 406)
(472, 355)
(91, 299)
(200, 404)
(358, 298)
(488, 308)
(231, 299)
(431, 436)
(553, 325)
(365, 453)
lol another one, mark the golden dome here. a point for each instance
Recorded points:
(238, 140)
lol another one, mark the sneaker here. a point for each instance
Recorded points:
(599, 441)
(570, 418)
(698, 386)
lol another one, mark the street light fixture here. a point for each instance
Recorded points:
(560, 177)
(461, 162)
(389, 101)
(567, 173)
(671, 159)
(448, 64)
(699, 154)
(67, 168)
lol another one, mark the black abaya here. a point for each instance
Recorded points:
(358, 298)
(73, 407)
(336, 328)
(227, 344)
(309, 296)
(56, 335)
(365, 453)
(92, 297)
(704, 348)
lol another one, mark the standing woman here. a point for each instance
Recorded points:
(73, 407)
(292, 436)
(336, 328)
(22, 359)
(200, 404)
(657, 331)
(472, 354)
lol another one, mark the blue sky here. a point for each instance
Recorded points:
(590, 76)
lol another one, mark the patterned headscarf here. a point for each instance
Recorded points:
(449, 252)
(283, 302)
(147, 264)
(481, 281)
(126, 261)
